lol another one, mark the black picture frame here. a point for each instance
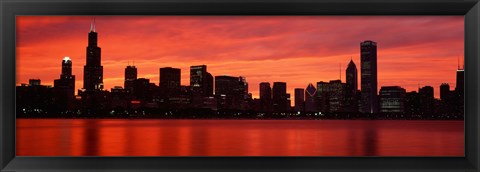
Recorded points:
(11, 8)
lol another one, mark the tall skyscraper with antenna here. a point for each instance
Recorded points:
(93, 70)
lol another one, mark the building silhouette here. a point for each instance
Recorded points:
(93, 70)
(368, 65)
(279, 96)
(299, 99)
(34, 82)
(445, 91)
(200, 82)
(426, 99)
(130, 77)
(322, 100)
(392, 99)
(265, 97)
(170, 80)
(336, 96)
(231, 92)
(351, 87)
(64, 87)
(310, 96)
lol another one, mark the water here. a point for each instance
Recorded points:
(152, 137)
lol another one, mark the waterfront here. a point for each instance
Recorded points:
(155, 137)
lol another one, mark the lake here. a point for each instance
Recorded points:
(157, 137)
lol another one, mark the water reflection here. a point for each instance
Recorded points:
(117, 137)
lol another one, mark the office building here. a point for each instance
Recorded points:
(368, 65)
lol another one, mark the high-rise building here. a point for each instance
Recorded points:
(170, 80)
(336, 95)
(392, 99)
(230, 92)
(310, 96)
(64, 87)
(265, 97)
(201, 82)
(130, 77)
(299, 99)
(460, 83)
(444, 91)
(279, 96)
(368, 65)
(426, 100)
(351, 87)
(93, 70)
(322, 100)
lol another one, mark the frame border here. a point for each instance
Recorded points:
(11, 8)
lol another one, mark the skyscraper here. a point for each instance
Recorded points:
(201, 82)
(64, 88)
(310, 102)
(170, 80)
(279, 96)
(351, 102)
(299, 99)
(265, 97)
(67, 80)
(368, 63)
(93, 70)
(130, 77)
(460, 83)
(444, 91)
(230, 92)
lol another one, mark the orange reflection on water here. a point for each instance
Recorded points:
(122, 137)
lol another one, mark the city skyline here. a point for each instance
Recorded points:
(328, 63)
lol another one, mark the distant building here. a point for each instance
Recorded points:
(322, 100)
(299, 99)
(460, 83)
(34, 82)
(310, 96)
(130, 77)
(201, 82)
(351, 87)
(265, 97)
(336, 96)
(93, 70)
(444, 91)
(230, 92)
(392, 99)
(170, 80)
(368, 65)
(64, 88)
(426, 99)
(279, 96)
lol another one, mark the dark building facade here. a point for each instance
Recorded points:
(230, 92)
(322, 100)
(279, 96)
(265, 97)
(93, 70)
(336, 96)
(170, 80)
(444, 91)
(130, 77)
(351, 87)
(392, 99)
(368, 65)
(310, 98)
(299, 99)
(426, 99)
(64, 87)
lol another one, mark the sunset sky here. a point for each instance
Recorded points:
(413, 51)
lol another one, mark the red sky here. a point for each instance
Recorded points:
(413, 51)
